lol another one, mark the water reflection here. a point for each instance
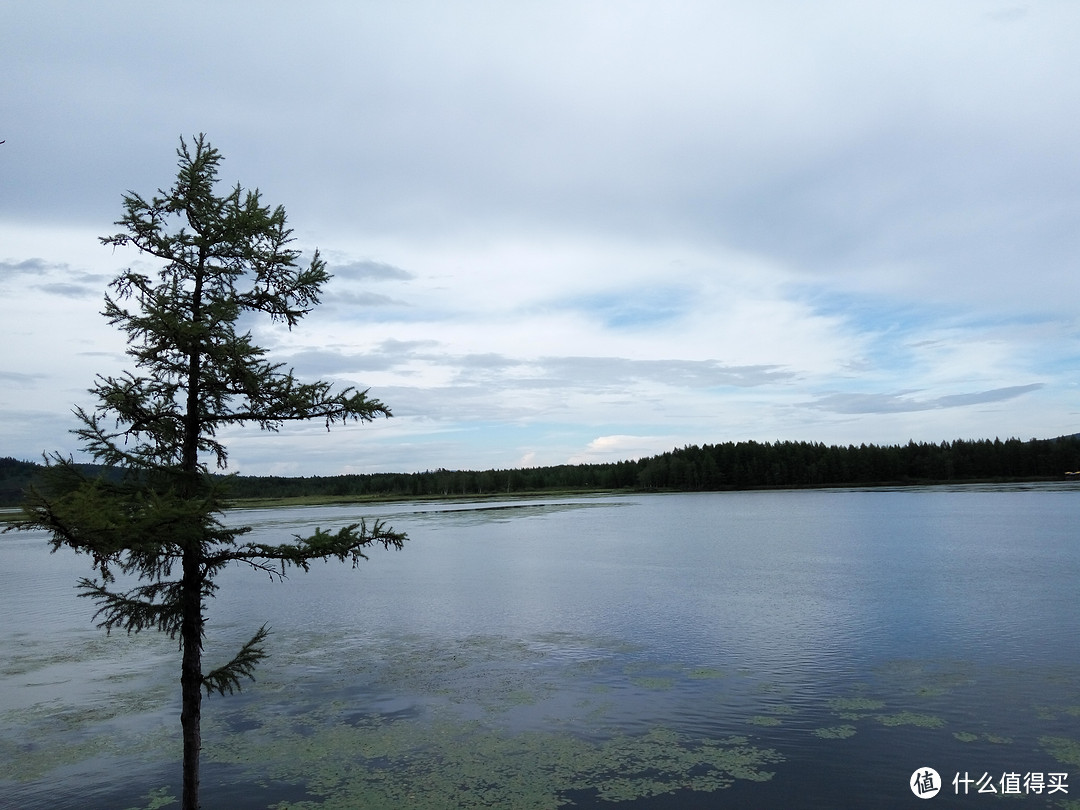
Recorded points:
(831, 632)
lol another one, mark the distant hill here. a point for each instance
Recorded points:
(732, 465)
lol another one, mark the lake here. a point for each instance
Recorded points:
(811, 649)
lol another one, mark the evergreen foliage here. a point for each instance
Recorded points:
(712, 467)
(156, 517)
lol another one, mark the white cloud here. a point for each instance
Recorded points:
(554, 222)
(604, 449)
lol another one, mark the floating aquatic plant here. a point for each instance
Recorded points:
(156, 799)
(449, 763)
(764, 720)
(835, 732)
(1063, 749)
(854, 708)
(910, 719)
(653, 682)
(995, 739)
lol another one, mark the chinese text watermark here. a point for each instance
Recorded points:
(926, 783)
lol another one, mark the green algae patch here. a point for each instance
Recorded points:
(449, 762)
(485, 722)
(993, 739)
(835, 732)
(1063, 749)
(910, 719)
(1045, 713)
(157, 799)
(773, 715)
(764, 720)
(28, 760)
(653, 682)
(35, 744)
(855, 708)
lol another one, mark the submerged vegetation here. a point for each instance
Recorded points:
(487, 721)
(453, 763)
(413, 722)
(710, 467)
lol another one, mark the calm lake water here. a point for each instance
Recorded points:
(774, 649)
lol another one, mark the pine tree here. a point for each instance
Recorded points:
(160, 519)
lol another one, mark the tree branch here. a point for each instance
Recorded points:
(348, 542)
(227, 678)
(136, 610)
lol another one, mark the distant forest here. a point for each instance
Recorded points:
(730, 466)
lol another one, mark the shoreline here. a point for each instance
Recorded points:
(8, 514)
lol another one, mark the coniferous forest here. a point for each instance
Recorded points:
(711, 467)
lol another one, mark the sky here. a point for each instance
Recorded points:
(570, 232)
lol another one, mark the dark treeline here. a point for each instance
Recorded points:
(16, 476)
(733, 465)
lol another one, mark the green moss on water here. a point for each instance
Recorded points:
(993, 739)
(27, 761)
(1045, 713)
(1064, 749)
(32, 750)
(449, 762)
(489, 723)
(855, 704)
(483, 721)
(653, 682)
(57, 718)
(910, 719)
(764, 720)
(835, 732)
(157, 799)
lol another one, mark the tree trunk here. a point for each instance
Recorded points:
(191, 677)
(191, 623)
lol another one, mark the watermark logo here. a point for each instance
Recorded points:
(1012, 782)
(925, 783)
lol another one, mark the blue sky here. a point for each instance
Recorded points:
(576, 231)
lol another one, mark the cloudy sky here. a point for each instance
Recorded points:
(576, 231)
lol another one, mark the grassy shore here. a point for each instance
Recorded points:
(347, 500)
(9, 514)
(585, 492)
